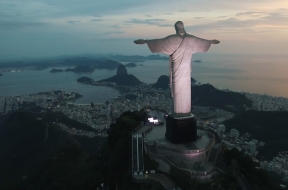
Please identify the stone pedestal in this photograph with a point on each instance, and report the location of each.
(181, 129)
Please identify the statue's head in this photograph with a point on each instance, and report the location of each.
(179, 27)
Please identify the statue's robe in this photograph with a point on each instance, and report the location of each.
(180, 50)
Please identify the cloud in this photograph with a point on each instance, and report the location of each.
(156, 22)
(199, 17)
(8, 24)
(165, 25)
(249, 13)
(109, 33)
(263, 22)
(247, 19)
(115, 26)
(96, 15)
(73, 21)
(96, 20)
(32, 10)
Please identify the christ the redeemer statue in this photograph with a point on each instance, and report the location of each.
(179, 47)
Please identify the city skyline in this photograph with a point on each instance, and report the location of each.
(43, 29)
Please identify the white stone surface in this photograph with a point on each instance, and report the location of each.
(180, 47)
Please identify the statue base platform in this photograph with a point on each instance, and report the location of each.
(181, 129)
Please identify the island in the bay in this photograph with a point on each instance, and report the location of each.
(56, 70)
(131, 65)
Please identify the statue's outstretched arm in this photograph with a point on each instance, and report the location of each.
(215, 41)
(140, 41)
(158, 45)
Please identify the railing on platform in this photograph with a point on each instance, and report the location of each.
(211, 141)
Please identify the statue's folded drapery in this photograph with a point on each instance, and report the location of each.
(180, 50)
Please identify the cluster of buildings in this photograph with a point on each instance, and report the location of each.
(267, 103)
(100, 116)
(233, 139)
(211, 115)
(42, 99)
(278, 165)
(74, 131)
(2, 104)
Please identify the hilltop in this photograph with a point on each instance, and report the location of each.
(56, 164)
(122, 78)
(28, 139)
(52, 164)
(208, 95)
(267, 126)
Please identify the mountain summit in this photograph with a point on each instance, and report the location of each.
(121, 71)
(122, 78)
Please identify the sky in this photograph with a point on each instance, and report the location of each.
(38, 28)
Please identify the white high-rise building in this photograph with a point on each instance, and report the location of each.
(221, 128)
(252, 147)
(234, 133)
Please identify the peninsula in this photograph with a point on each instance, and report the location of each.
(131, 65)
(122, 78)
(56, 70)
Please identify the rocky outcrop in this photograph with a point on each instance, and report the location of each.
(122, 78)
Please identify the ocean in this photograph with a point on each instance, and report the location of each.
(264, 75)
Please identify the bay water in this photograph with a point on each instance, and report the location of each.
(239, 73)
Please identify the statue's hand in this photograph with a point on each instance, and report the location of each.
(215, 42)
(140, 41)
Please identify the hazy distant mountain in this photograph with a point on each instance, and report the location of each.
(97, 61)
(56, 70)
(88, 65)
(82, 69)
(122, 78)
(85, 80)
(131, 65)
(136, 58)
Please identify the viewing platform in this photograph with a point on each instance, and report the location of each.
(196, 158)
